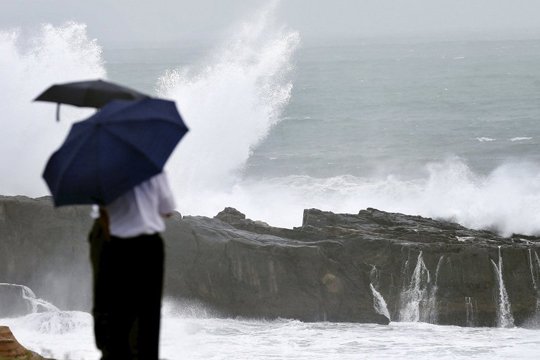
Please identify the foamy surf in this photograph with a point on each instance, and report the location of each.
(29, 130)
(204, 338)
(507, 200)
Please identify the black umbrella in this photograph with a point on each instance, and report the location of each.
(93, 93)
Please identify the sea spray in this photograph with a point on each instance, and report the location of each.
(36, 305)
(186, 308)
(57, 322)
(33, 304)
(229, 105)
(29, 131)
(449, 191)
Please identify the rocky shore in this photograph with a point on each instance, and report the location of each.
(368, 267)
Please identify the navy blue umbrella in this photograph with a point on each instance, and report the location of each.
(124, 144)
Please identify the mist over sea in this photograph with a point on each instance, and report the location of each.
(439, 129)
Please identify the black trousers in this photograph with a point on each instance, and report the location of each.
(128, 285)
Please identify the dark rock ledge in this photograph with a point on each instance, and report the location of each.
(364, 267)
(424, 269)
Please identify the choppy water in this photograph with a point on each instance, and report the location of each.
(203, 338)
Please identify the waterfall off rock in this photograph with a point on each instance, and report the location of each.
(472, 307)
(432, 305)
(378, 300)
(534, 266)
(415, 299)
(380, 303)
(505, 318)
(439, 263)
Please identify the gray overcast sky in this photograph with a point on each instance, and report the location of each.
(117, 21)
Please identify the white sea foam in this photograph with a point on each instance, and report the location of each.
(485, 139)
(288, 339)
(29, 131)
(58, 335)
(56, 322)
(520, 138)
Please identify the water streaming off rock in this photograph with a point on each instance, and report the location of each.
(380, 303)
(472, 309)
(418, 302)
(505, 317)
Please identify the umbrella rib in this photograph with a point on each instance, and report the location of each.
(76, 138)
(153, 119)
(130, 144)
(61, 177)
(121, 109)
(100, 186)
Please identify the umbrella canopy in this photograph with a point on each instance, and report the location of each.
(124, 144)
(93, 93)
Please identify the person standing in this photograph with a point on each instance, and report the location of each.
(127, 256)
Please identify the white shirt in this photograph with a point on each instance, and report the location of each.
(140, 210)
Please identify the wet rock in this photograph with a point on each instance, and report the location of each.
(424, 269)
(10, 349)
(46, 250)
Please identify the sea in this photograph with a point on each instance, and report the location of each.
(447, 129)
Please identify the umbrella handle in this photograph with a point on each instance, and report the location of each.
(58, 112)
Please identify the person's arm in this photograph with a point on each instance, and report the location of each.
(167, 204)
